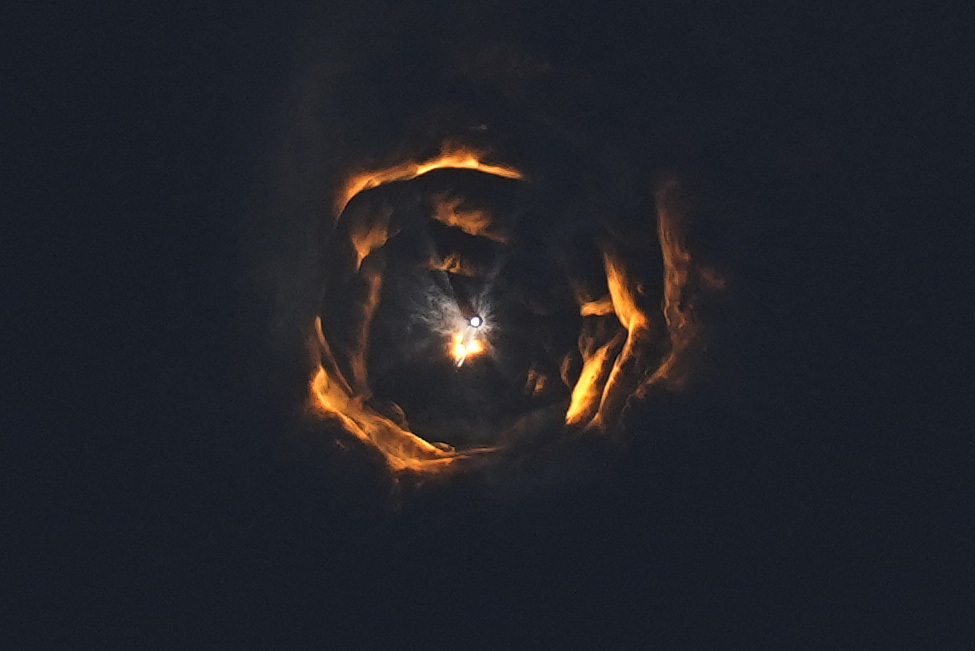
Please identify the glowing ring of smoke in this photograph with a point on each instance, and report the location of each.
(613, 372)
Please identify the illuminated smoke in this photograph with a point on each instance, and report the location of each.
(590, 304)
(632, 345)
(451, 157)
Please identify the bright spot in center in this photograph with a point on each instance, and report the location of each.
(464, 347)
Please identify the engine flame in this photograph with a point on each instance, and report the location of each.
(450, 157)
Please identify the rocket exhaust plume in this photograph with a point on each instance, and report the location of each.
(401, 334)
(485, 282)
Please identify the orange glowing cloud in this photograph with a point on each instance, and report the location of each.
(635, 342)
(450, 157)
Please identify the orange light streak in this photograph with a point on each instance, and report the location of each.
(450, 157)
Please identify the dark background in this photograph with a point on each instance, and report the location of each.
(822, 501)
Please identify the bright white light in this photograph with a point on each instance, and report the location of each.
(476, 321)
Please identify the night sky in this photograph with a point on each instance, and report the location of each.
(814, 492)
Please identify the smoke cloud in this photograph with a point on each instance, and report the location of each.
(474, 178)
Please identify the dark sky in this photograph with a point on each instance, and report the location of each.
(818, 496)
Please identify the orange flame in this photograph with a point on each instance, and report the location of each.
(450, 157)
